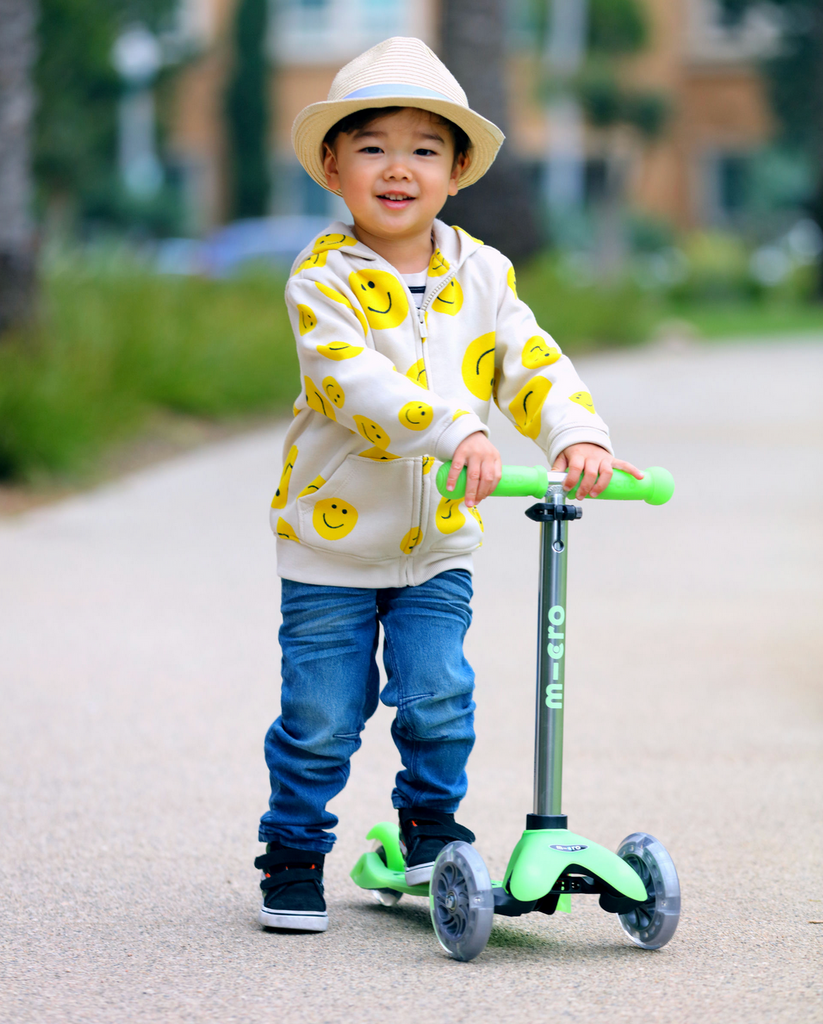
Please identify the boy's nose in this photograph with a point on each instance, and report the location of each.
(396, 170)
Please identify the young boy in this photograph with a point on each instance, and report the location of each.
(405, 330)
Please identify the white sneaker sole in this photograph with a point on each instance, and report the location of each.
(297, 920)
(420, 874)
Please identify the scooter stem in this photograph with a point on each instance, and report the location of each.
(551, 662)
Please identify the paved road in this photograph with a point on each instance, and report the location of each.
(139, 674)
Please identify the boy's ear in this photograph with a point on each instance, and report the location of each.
(330, 167)
(460, 165)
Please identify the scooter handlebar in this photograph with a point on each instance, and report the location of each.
(656, 487)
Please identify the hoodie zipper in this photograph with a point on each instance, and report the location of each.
(421, 325)
(427, 302)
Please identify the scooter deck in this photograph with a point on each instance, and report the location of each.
(536, 864)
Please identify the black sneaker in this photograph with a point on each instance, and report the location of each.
(423, 834)
(292, 885)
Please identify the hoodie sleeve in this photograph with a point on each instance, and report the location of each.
(536, 386)
(345, 379)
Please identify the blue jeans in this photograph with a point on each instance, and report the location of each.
(331, 686)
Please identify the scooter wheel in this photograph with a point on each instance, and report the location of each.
(653, 923)
(385, 897)
(461, 901)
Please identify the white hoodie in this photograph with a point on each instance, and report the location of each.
(389, 391)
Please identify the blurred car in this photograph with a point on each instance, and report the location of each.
(272, 242)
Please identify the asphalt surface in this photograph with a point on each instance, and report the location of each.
(139, 673)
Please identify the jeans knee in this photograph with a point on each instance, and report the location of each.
(435, 717)
(313, 745)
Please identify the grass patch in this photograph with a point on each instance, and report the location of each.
(585, 317)
(109, 349)
(748, 319)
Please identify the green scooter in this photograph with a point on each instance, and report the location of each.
(549, 864)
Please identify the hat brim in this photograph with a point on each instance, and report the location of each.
(313, 122)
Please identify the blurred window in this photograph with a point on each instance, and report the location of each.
(596, 178)
(733, 172)
(296, 193)
(333, 31)
(727, 186)
(715, 34)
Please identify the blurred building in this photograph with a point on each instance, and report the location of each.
(692, 175)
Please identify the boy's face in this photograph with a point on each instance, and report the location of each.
(396, 173)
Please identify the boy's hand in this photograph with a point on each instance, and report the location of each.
(595, 465)
(483, 467)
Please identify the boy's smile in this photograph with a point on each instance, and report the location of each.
(395, 174)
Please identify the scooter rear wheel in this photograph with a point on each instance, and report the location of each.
(653, 923)
(461, 901)
(385, 897)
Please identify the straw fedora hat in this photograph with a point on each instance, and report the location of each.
(399, 72)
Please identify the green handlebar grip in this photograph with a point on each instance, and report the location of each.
(656, 487)
(517, 481)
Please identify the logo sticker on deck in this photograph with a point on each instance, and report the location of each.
(569, 849)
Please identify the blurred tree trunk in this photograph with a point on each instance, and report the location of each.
(247, 111)
(503, 208)
(17, 256)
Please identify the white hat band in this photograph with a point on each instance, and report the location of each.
(396, 89)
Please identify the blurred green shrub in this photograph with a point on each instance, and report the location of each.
(579, 312)
(720, 267)
(717, 268)
(110, 347)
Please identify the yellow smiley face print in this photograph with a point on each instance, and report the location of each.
(306, 320)
(336, 296)
(474, 511)
(417, 373)
(281, 495)
(334, 392)
(285, 531)
(428, 462)
(478, 367)
(526, 405)
(318, 400)
(438, 264)
(463, 231)
(538, 352)
(321, 247)
(511, 281)
(382, 297)
(416, 415)
(372, 432)
(448, 517)
(378, 455)
(411, 540)
(450, 300)
(314, 259)
(332, 241)
(583, 398)
(339, 350)
(315, 485)
(334, 518)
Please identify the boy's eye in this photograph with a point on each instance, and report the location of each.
(425, 152)
(371, 149)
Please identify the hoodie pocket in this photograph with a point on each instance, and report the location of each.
(452, 528)
(366, 509)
